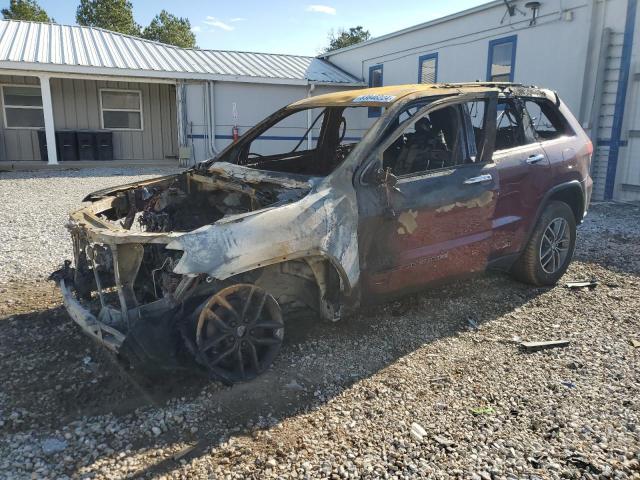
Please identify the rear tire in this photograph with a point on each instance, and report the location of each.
(550, 249)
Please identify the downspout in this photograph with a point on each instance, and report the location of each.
(588, 67)
(310, 90)
(211, 119)
(181, 119)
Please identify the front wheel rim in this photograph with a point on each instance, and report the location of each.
(239, 332)
(554, 246)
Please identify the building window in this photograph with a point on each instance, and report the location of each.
(22, 106)
(501, 65)
(121, 109)
(428, 68)
(375, 80)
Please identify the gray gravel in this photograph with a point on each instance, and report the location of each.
(411, 389)
(35, 207)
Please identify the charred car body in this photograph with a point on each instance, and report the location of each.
(450, 180)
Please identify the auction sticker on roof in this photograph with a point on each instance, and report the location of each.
(375, 98)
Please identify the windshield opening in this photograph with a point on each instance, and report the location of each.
(308, 142)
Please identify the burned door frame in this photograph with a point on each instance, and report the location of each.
(385, 269)
(525, 176)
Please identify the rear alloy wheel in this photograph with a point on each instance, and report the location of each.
(554, 246)
(550, 248)
(239, 332)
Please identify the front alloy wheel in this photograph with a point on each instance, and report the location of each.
(239, 332)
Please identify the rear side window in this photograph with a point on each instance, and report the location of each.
(509, 131)
(546, 121)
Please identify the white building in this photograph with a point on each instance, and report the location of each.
(72, 93)
(587, 50)
(161, 102)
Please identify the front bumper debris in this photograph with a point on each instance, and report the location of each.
(100, 331)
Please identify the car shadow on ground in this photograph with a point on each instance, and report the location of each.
(74, 378)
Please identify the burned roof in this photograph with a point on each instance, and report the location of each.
(385, 96)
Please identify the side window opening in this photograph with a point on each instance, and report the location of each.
(547, 123)
(433, 141)
(288, 143)
(509, 131)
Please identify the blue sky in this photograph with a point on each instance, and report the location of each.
(280, 26)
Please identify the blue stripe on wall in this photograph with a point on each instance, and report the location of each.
(266, 137)
(621, 96)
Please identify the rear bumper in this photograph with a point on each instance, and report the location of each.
(99, 331)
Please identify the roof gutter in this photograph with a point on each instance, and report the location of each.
(155, 76)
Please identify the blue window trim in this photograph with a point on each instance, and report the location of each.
(513, 39)
(421, 59)
(375, 111)
(621, 96)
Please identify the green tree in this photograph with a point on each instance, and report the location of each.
(167, 28)
(115, 15)
(26, 10)
(344, 38)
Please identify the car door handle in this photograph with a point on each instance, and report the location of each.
(535, 158)
(479, 179)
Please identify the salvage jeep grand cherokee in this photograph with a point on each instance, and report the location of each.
(389, 190)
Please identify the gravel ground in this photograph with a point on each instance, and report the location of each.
(404, 390)
(36, 206)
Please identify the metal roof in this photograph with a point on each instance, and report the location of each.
(90, 50)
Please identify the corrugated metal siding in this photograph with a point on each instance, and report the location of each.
(76, 46)
(76, 105)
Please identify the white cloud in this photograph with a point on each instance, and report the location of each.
(196, 29)
(216, 23)
(321, 9)
(237, 19)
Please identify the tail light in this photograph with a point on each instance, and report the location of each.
(589, 148)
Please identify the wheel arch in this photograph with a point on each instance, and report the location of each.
(571, 193)
(331, 280)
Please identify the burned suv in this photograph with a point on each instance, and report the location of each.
(388, 190)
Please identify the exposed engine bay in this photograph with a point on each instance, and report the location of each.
(176, 204)
(201, 266)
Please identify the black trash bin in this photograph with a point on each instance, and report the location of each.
(104, 145)
(67, 145)
(42, 143)
(86, 144)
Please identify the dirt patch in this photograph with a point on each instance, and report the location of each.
(341, 398)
